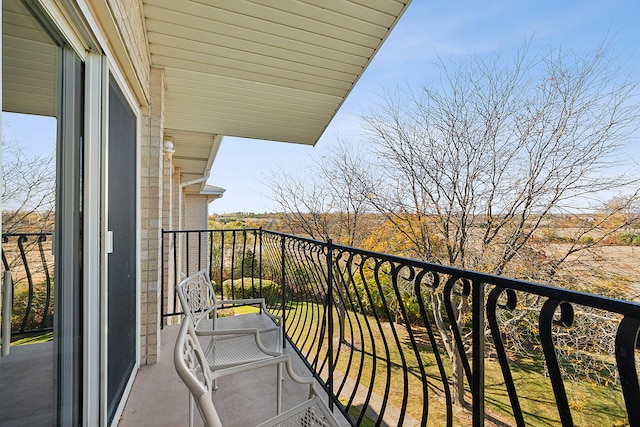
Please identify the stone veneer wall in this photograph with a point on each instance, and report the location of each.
(151, 192)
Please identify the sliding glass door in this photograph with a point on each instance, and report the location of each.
(42, 124)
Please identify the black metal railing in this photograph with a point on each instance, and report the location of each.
(232, 258)
(402, 341)
(29, 258)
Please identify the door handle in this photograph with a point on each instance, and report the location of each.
(109, 242)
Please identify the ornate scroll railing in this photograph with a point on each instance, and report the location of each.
(29, 258)
(400, 341)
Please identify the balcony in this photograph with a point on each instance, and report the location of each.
(159, 397)
(377, 331)
(414, 343)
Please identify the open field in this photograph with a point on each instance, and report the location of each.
(609, 270)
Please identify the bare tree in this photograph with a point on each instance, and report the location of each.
(28, 203)
(499, 148)
(476, 165)
(324, 200)
(28, 198)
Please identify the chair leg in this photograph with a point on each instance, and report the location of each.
(190, 410)
(215, 384)
(279, 390)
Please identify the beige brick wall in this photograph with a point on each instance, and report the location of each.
(127, 15)
(195, 218)
(195, 212)
(151, 192)
(167, 224)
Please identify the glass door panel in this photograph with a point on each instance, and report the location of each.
(121, 286)
(42, 149)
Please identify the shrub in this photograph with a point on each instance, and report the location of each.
(629, 238)
(585, 239)
(549, 235)
(242, 288)
(245, 264)
(38, 304)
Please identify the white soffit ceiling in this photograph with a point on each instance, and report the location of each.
(29, 63)
(266, 69)
(194, 154)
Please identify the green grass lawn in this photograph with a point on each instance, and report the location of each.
(33, 339)
(245, 309)
(591, 404)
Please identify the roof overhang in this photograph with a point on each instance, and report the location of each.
(270, 70)
(212, 192)
(194, 157)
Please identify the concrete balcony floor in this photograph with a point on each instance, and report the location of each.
(28, 369)
(158, 397)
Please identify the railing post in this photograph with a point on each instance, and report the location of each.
(330, 317)
(284, 292)
(187, 258)
(6, 312)
(162, 283)
(210, 263)
(233, 264)
(199, 251)
(43, 259)
(222, 234)
(176, 252)
(25, 263)
(260, 258)
(477, 388)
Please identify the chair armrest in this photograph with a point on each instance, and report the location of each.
(223, 332)
(243, 301)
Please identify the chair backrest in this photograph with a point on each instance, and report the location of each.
(189, 361)
(197, 296)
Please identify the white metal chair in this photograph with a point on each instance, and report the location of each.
(191, 365)
(228, 347)
(234, 345)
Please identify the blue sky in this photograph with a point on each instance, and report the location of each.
(427, 29)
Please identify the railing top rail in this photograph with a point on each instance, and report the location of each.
(46, 233)
(624, 307)
(211, 230)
